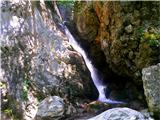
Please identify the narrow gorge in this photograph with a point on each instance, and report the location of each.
(80, 60)
(93, 71)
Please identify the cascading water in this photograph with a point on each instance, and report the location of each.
(95, 77)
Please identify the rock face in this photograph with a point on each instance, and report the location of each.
(36, 59)
(87, 24)
(126, 32)
(120, 114)
(50, 108)
(151, 83)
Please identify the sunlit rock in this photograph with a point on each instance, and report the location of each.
(50, 108)
(37, 59)
(151, 84)
(120, 114)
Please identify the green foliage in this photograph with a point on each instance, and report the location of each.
(140, 30)
(153, 39)
(26, 84)
(40, 97)
(10, 113)
(66, 3)
(26, 79)
(49, 4)
(154, 43)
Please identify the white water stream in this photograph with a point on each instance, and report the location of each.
(95, 77)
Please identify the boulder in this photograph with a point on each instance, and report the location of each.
(36, 53)
(151, 84)
(50, 108)
(120, 114)
(36, 58)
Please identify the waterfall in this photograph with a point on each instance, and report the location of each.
(94, 72)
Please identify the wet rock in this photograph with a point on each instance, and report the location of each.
(50, 108)
(151, 83)
(87, 30)
(120, 114)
